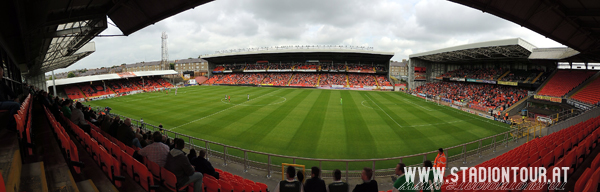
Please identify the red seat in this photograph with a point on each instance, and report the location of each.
(2, 187)
(580, 184)
(142, 176)
(596, 163)
(263, 187)
(154, 168)
(211, 185)
(225, 186)
(548, 160)
(170, 180)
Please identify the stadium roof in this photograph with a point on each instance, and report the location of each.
(575, 24)
(277, 55)
(40, 36)
(500, 49)
(112, 76)
(553, 53)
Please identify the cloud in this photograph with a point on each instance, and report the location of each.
(400, 26)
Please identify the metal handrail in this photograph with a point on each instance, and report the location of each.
(246, 162)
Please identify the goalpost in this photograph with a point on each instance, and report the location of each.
(436, 100)
(293, 165)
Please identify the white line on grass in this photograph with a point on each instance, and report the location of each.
(408, 101)
(384, 111)
(220, 111)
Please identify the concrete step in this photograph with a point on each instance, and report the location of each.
(87, 186)
(33, 178)
(10, 160)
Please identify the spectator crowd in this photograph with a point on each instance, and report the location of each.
(486, 95)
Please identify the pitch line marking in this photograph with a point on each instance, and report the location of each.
(384, 111)
(408, 101)
(363, 104)
(220, 111)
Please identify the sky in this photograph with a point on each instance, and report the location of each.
(401, 26)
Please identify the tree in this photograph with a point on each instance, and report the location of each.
(71, 74)
(172, 66)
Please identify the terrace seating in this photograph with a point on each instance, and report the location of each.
(277, 79)
(485, 95)
(251, 78)
(360, 80)
(328, 79)
(564, 81)
(589, 94)
(481, 73)
(565, 148)
(304, 79)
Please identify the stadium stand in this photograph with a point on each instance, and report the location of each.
(328, 79)
(360, 80)
(480, 73)
(96, 89)
(277, 79)
(521, 75)
(361, 68)
(251, 78)
(304, 79)
(486, 95)
(564, 81)
(566, 148)
(590, 93)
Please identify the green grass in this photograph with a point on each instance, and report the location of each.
(309, 122)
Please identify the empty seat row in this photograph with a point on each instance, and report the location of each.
(589, 94)
(23, 120)
(68, 148)
(564, 81)
(565, 148)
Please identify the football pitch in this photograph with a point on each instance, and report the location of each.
(313, 123)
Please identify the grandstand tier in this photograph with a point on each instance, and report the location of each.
(564, 81)
(589, 94)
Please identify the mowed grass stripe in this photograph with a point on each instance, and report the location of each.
(409, 134)
(450, 133)
(256, 136)
(312, 125)
(388, 135)
(333, 135)
(310, 122)
(359, 140)
(215, 123)
(472, 121)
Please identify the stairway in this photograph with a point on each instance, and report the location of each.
(537, 77)
(503, 75)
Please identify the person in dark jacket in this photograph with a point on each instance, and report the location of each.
(112, 130)
(204, 166)
(126, 135)
(289, 185)
(66, 108)
(368, 185)
(12, 104)
(178, 164)
(315, 183)
(338, 185)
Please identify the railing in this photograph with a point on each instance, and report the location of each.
(456, 153)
